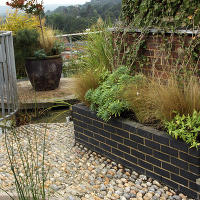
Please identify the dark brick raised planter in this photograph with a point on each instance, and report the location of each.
(140, 148)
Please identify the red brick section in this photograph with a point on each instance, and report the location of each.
(140, 148)
(155, 50)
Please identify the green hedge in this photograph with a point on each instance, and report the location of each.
(170, 13)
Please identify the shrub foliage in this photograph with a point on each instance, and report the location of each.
(186, 127)
(16, 21)
(106, 98)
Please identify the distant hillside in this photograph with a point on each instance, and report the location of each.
(70, 19)
(4, 10)
(50, 7)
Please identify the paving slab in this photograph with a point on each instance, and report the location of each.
(29, 98)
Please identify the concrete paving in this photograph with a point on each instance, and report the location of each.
(29, 98)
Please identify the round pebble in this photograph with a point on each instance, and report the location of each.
(77, 173)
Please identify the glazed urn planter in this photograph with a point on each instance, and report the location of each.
(44, 74)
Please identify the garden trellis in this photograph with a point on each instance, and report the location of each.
(8, 82)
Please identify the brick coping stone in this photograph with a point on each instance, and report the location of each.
(141, 148)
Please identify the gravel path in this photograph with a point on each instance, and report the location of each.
(76, 173)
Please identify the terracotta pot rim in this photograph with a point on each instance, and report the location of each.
(46, 58)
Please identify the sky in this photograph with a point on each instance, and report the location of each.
(2, 2)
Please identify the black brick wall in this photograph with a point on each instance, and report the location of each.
(141, 148)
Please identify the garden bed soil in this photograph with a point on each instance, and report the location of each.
(141, 148)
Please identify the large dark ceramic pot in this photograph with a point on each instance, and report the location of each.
(44, 74)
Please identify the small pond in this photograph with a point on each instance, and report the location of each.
(55, 115)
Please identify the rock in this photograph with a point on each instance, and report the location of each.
(123, 180)
(103, 193)
(115, 196)
(139, 194)
(169, 193)
(156, 183)
(77, 173)
(149, 195)
(138, 186)
(121, 185)
(132, 179)
(127, 189)
(149, 184)
(155, 198)
(120, 166)
(157, 195)
(165, 188)
(128, 195)
(71, 198)
(97, 198)
(143, 177)
(54, 187)
(176, 197)
(102, 187)
(119, 192)
(144, 185)
(158, 192)
(182, 196)
(133, 192)
(135, 173)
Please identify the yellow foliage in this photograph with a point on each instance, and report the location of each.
(16, 21)
(49, 39)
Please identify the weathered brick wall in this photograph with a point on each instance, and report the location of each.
(161, 52)
(140, 148)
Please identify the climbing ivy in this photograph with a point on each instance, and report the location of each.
(154, 13)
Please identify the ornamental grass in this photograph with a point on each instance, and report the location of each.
(85, 81)
(157, 100)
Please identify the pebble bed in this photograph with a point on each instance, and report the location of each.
(78, 173)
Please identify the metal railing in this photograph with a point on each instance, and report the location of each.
(8, 81)
(74, 47)
(69, 40)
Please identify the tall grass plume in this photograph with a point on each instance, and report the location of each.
(85, 81)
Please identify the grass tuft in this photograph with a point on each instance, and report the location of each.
(85, 81)
(49, 40)
(158, 100)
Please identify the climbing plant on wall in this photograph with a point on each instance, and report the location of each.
(165, 13)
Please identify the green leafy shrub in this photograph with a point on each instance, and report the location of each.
(58, 47)
(40, 54)
(25, 43)
(186, 128)
(106, 98)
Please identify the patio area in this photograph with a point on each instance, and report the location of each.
(28, 97)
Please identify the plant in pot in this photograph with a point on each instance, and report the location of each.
(40, 48)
